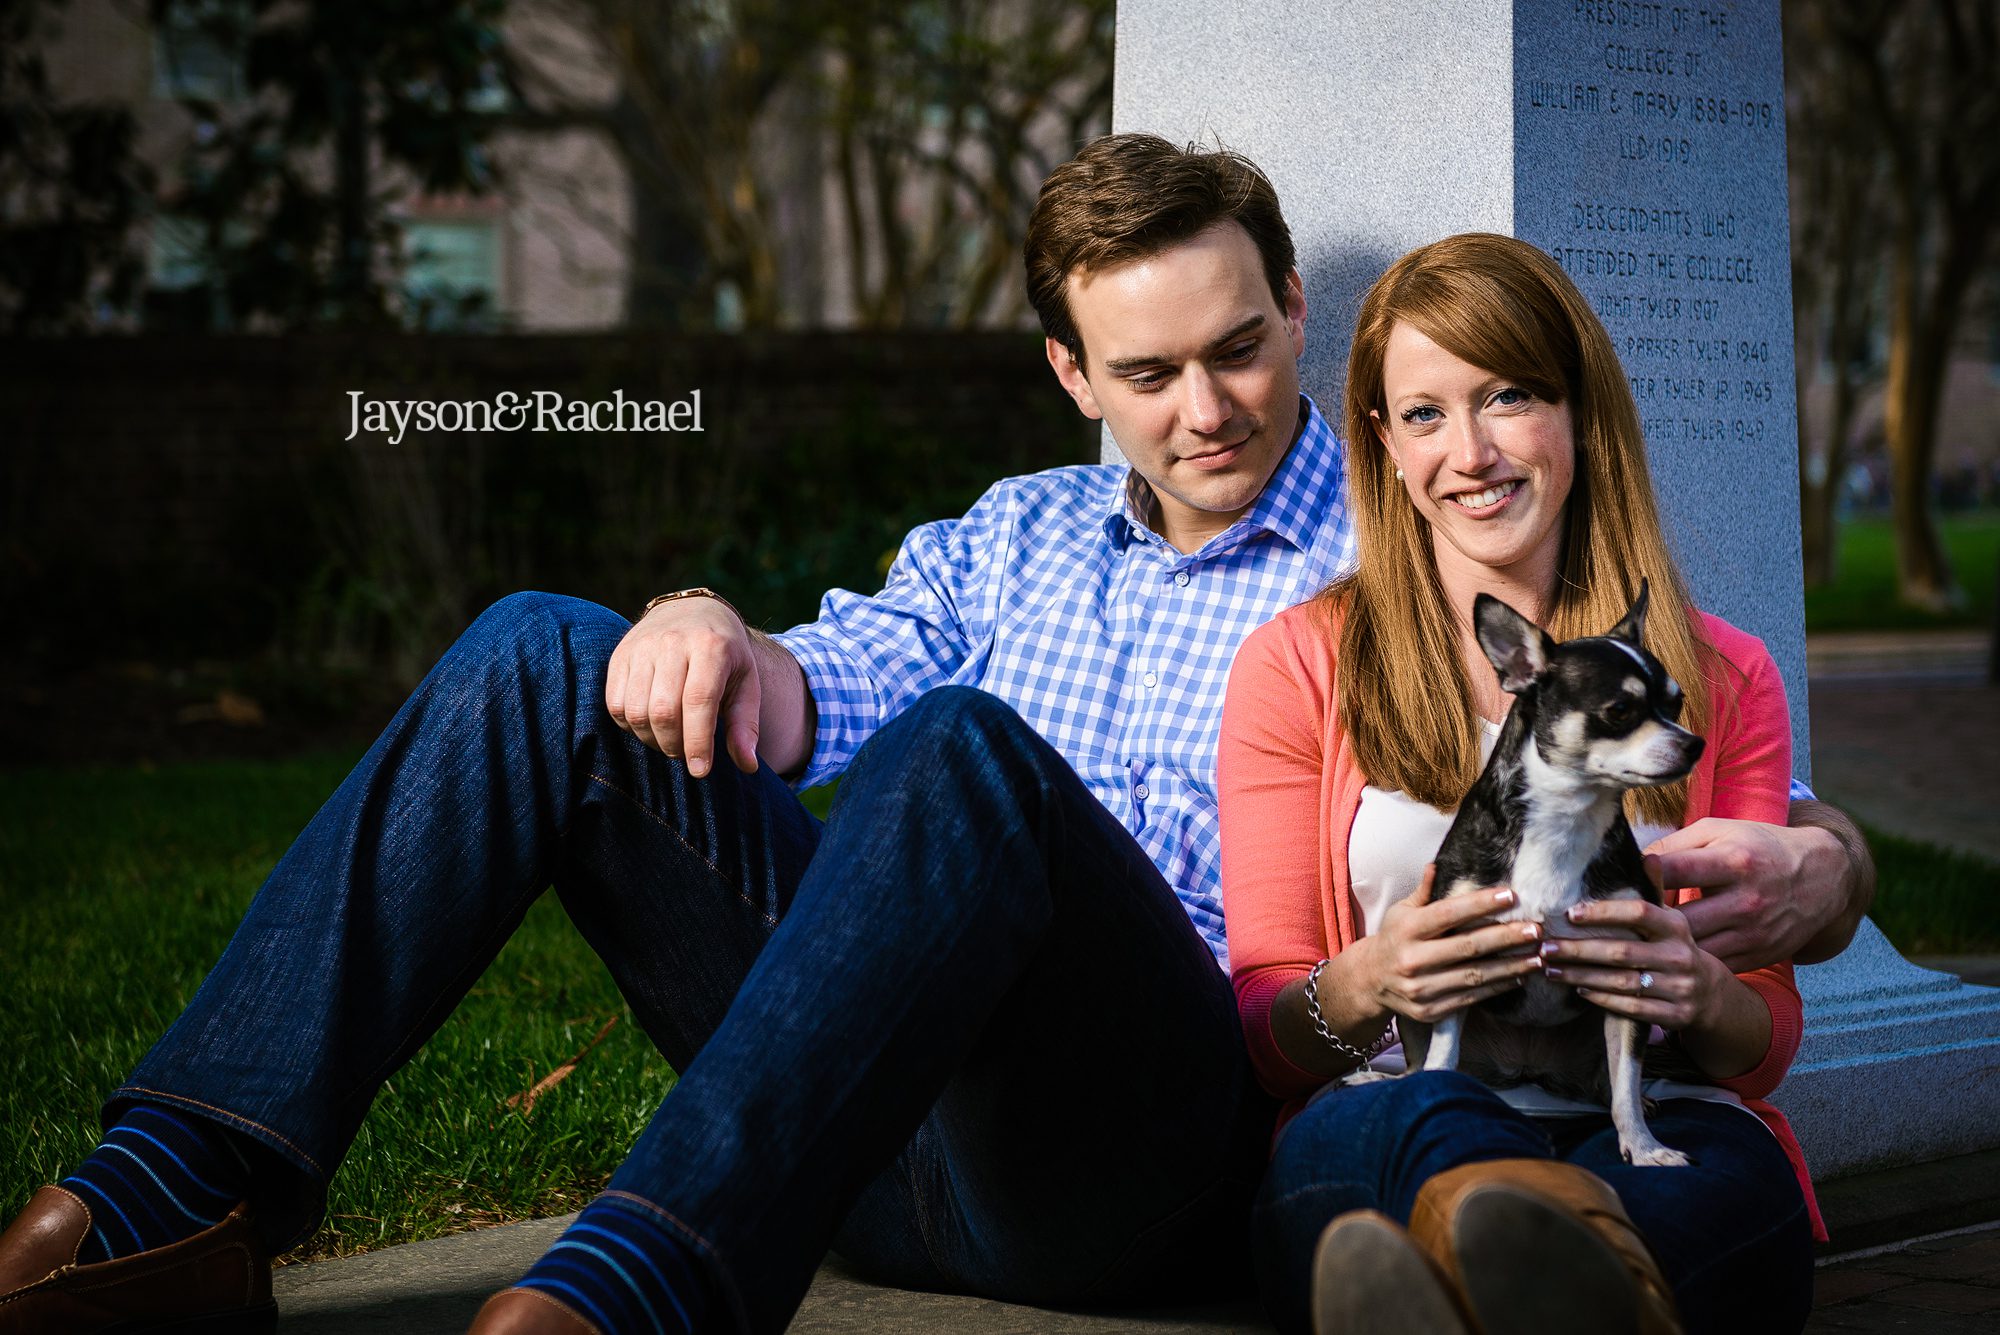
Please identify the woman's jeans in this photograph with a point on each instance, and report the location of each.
(965, 1025)
(1730, 1232)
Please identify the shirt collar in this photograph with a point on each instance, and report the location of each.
(1293, 504)
(1127, 507)
(1303, 493)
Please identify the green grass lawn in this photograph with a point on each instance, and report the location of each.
(1863, 594)
(121, 885)
(120, 888)
(1934, 901)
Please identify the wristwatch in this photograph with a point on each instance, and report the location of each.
(702, 592)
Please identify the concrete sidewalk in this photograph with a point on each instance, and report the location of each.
(1939, 1285)
(434, 1288)
(1906, 735)
(1915, 1250)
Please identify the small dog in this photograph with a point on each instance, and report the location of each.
(1592, 718)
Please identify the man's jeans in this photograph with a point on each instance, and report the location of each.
(1730, 1232)
(966, 1019)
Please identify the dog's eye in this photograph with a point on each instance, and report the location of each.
(1620, 713)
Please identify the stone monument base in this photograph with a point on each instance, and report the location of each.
(1900, 1064)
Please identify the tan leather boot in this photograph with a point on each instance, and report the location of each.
(217, 1282)
(1542, 1247)
(528, 1312)
(1368, 1277)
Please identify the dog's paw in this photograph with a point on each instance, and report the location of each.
(1655, 1155)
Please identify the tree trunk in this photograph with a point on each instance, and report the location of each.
(1919, 355)
(1993, 649)
(666, 254)
(1993, 652)
(1826, 499)
(1909, 420)
(1816, 525)
(1815, 539)
(1846, 345)
(351, 277)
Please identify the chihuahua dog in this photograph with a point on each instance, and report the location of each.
(1592, 718)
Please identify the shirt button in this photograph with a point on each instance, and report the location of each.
(1181, 578)
(1151, 679)
(1142, 792)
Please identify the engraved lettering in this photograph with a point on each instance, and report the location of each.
(1637, 60)
(1707, 268)
(1554, 96)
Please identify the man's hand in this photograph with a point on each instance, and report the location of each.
(685, 665)
(1771, 892)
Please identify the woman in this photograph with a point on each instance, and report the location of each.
(1493, 447)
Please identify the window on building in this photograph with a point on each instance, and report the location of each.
(198, 50)
(451, 273)
(176, 260)
(180, 278)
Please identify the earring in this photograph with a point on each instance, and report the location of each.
(1399, 475)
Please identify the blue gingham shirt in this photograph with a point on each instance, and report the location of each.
(1054, 594)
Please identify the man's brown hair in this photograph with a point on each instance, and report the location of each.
(1130, 196)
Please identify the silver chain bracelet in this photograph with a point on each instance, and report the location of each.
(1335, 1041)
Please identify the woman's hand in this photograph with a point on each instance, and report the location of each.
(1418, 968)
(1662, 978)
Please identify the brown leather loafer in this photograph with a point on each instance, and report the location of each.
(1369, 1277)
(217, 1282)
(1542, 1247)
(528, 1312)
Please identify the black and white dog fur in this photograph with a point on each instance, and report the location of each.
(1592, 718)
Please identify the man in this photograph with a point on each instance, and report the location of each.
(973, 1032)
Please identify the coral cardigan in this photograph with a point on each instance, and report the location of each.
(1286, 772)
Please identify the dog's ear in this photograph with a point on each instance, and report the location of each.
(1518, 648)
(1632, 629)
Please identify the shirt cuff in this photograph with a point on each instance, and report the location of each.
(1787, 1028)
(844, 702)
(1278, 1074)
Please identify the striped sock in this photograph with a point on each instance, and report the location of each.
(159, 1176)
(623, 1271)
